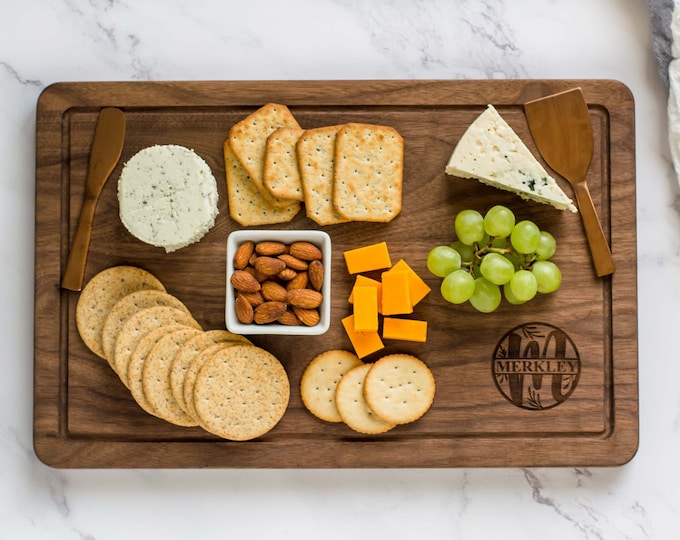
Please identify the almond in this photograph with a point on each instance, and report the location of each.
(298, 282)
(315, 272)
(308, 317)
(269, 266)
(293, 262)
(268, 312)
(304, 298)
(305, 251)
(270, 248)
(244, 310)
(273, 291)
(254, 298)
(289, 319)
(244, 281)
(286, 274)
(242, 255)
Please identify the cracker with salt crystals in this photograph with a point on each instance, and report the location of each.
(281, 172)
(352, 406)
(248, 139)
(368, 172)
(315, 150)
(320, 380)
(248, 205)
(399, 388)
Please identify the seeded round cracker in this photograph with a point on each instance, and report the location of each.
(156, 377)
(101, 293)
(352, 407)
(192, 373)
(320, 380)
(128, 306)
(189, 351)
(241, 393)
(399, 388)
(138, 358)
(138, 325)
(368, 172)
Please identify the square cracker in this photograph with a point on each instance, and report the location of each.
(315, 151)
(247, 205)
(248, 139)
(368, 173)
(281, 172)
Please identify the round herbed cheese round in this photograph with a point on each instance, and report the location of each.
(167, 196)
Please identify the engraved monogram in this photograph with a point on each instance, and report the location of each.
(536, 366)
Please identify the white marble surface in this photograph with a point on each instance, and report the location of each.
(59, 40)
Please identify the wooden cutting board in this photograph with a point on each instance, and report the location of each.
(549, 383)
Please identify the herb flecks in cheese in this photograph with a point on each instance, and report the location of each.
(491, 152)
(167, 196)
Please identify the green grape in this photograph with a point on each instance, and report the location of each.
(525, 236)
(467, 253)
(496, 268)
(548, 276)
(486, 297)
(499, 221)
(469, 226)
(499, 242)
(442, 260)
(510, 297)
(546, 246)
(523, 285)
(457, 287)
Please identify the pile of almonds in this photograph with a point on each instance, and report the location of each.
(278, 283)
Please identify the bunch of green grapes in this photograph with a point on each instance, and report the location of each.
(495, 256)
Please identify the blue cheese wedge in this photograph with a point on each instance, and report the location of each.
(167, 196)
(491, 152)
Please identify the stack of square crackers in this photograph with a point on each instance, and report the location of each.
(339, 173)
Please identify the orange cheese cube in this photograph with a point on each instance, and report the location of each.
(367, 258)
(363, 281)
(365, 309)
(418, 289)
(364, 343)
(404, 329)
(396, 298)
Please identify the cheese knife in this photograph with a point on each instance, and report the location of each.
(561, 128)
(107, 146)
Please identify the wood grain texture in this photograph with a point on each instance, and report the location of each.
(84, 416)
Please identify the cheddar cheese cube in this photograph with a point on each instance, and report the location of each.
(367, 258)
(418, 289)
(396, 296)
(364, 343)
(363, 281)
(365, 309)
(404, 329)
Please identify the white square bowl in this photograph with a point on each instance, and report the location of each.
(321, 240)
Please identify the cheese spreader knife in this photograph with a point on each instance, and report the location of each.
(561, 128)
(107, 146)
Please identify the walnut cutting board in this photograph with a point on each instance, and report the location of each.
(549, 383)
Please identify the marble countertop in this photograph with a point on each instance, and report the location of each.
(42, 42)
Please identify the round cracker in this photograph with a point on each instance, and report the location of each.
(138, 358)
(241, 393)
(156, 377)
(138, 325)
(320, 380)
(126, 307)
(399, 388)
(101, 293)
(186, 355)
(352, 407)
